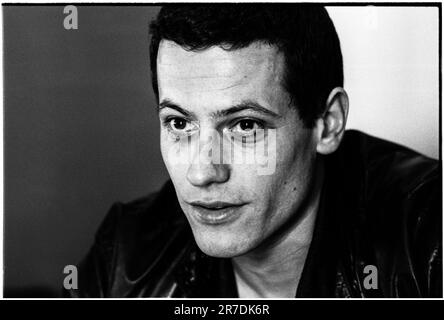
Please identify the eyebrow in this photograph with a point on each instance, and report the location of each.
(166, 103)
(243, 106)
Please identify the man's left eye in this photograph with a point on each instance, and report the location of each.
(247, 127)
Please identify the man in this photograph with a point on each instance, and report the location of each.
(326, 213)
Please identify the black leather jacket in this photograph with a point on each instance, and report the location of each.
(380, 206)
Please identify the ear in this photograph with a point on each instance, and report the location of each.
(331, 125)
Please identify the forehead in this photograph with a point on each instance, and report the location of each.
(215, 73)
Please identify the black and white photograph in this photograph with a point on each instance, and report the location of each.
(222, 150)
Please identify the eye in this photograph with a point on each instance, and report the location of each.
(179, 125)
(247, 127)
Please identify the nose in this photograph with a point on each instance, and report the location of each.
(202, 171)
(201, 175)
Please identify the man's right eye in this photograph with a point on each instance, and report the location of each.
(179, 126)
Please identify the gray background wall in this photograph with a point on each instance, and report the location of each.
(81, 131)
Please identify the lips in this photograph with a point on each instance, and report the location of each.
(216, 212)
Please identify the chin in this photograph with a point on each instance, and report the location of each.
(221, 247)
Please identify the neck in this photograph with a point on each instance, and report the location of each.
(274, 271)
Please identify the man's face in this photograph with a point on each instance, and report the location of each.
(232, 208)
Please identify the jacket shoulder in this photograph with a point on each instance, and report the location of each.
(387, 165)
(128, 243)
(399, 213)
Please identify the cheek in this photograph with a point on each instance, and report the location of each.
(295, 148)
(295, 156)
(258, 188)
(164, 149)
(171, 157)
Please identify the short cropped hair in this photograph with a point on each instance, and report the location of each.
(305, 35)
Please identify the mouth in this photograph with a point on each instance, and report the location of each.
(217, 212)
